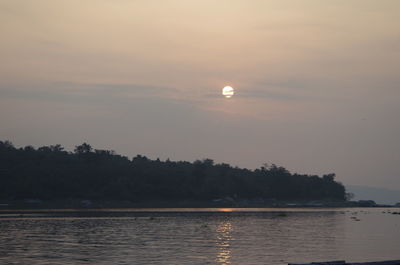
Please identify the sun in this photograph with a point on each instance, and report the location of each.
(228, 91)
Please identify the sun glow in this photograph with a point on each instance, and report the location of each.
(228, 92)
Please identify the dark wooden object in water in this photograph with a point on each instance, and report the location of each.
(342, 262)
(337, 262)
(388, 262)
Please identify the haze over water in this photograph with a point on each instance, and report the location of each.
(199, 236)
(316, 82)
(315, 89)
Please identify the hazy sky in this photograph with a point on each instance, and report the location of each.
(316, 82)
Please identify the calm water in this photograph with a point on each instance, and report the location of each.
(202, 236)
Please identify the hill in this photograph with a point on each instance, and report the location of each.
(379, 195)
(51, 173)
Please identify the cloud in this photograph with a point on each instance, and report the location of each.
(69, 91)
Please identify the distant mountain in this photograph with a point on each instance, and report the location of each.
(379, 195)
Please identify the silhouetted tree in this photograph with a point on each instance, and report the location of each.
(329, 177)
(83, 148)
(49, 172)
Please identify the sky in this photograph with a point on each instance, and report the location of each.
(316, 82)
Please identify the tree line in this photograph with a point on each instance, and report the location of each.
(50, 172)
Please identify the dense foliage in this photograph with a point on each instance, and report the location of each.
(49, 172)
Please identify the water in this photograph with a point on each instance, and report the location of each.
(198, 236)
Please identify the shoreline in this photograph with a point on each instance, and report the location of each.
(82, 204)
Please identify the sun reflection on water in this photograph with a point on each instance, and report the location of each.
(224, 238)
(225, 210)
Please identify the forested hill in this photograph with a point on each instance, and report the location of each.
(49, 172)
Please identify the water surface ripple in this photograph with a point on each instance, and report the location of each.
(198, 236)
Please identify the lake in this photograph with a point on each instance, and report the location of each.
(198, 236)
